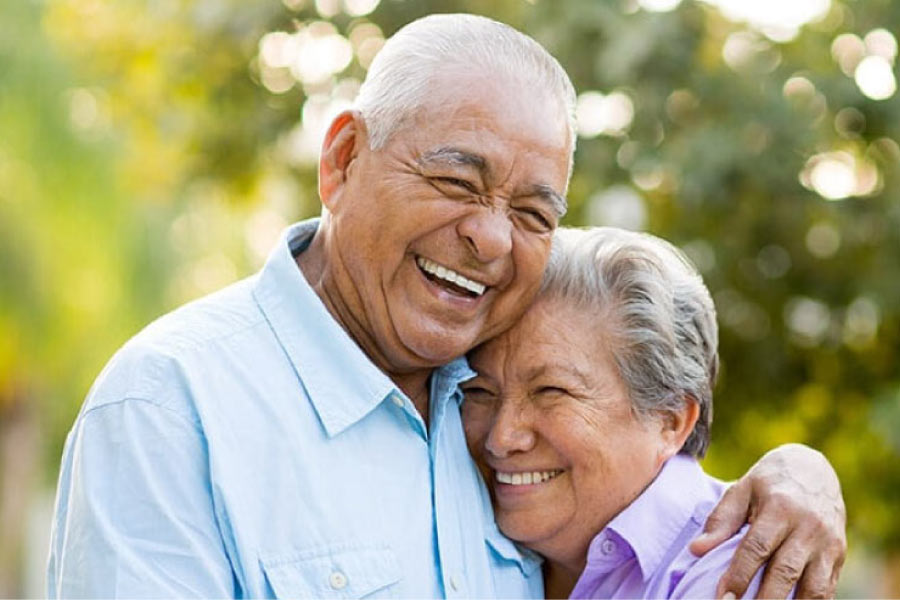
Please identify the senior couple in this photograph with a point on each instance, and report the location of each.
(301, 432)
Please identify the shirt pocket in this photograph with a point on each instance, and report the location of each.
(341, 571)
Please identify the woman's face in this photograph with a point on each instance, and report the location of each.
(550, 424)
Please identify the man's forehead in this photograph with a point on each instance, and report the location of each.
(458, 157)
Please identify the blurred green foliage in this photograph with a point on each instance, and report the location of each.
(145, 160)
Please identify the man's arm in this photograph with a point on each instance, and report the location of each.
(792, 499)
(134, 515)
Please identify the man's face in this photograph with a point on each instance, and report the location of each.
(444, 232)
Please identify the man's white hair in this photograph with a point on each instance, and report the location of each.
(397, 83)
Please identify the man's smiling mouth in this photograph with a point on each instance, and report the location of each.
(450, 279)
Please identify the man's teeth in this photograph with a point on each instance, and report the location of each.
(450, 275)
(526, 478)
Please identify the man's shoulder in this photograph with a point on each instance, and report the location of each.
(219, 315)
(158, 362)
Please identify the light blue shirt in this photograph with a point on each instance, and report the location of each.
(244, 446)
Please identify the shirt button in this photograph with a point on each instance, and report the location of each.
(607, 546)
(396, 399)
(454, 583)
(337, 580)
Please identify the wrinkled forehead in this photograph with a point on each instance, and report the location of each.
(519, 95)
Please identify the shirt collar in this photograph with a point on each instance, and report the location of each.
(343, 385)
(652, 523)
(445, 380)
(527, 560)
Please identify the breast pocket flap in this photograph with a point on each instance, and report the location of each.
(333, 572)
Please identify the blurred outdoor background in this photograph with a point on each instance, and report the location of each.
(152, 150)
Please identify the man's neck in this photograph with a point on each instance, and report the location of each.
(316, 269)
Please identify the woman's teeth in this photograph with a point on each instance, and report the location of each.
(526, 478)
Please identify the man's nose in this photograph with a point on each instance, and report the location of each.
(511, 431)
(487, 231)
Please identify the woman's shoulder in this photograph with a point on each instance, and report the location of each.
(697, 577)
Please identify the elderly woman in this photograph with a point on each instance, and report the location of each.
(588, 417)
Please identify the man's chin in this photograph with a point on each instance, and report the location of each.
(440, 348)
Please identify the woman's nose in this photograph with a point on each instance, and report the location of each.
(511, 431)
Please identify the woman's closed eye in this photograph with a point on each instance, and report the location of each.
(552, 390)
(477, 393)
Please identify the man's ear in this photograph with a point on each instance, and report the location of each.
(345, 137)
(675, 427)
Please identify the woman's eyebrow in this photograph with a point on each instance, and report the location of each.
(553, 367)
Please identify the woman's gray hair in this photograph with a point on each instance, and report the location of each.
(397, 83)
(657, 314)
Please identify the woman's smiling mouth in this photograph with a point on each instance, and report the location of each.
(526, 477)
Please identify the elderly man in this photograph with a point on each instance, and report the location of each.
(298, 433)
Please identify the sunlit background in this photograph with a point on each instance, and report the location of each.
(151, 151)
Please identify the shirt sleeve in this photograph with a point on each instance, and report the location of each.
(134, 515)
(702, 578)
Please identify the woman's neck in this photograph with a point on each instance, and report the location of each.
(558, 580)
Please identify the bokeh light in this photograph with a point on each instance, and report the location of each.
(838, 175)
(744, 50)
(808, 320)
(799, 88)
(881, 42)
(320, 53)
(850, 122)
(779, 20)
(773, 261)
(875, 78)
(359, 8)
(311, 56)
(848, 50)
(659, 5)
(823, 240)
(618, 206)
(328, 8)
(597, 113)
(861, 322)
(367, 40)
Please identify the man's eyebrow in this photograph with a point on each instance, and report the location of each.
(557, 201)
(454, 156)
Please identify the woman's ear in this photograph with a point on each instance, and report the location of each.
(345, 137)
(675, 427)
